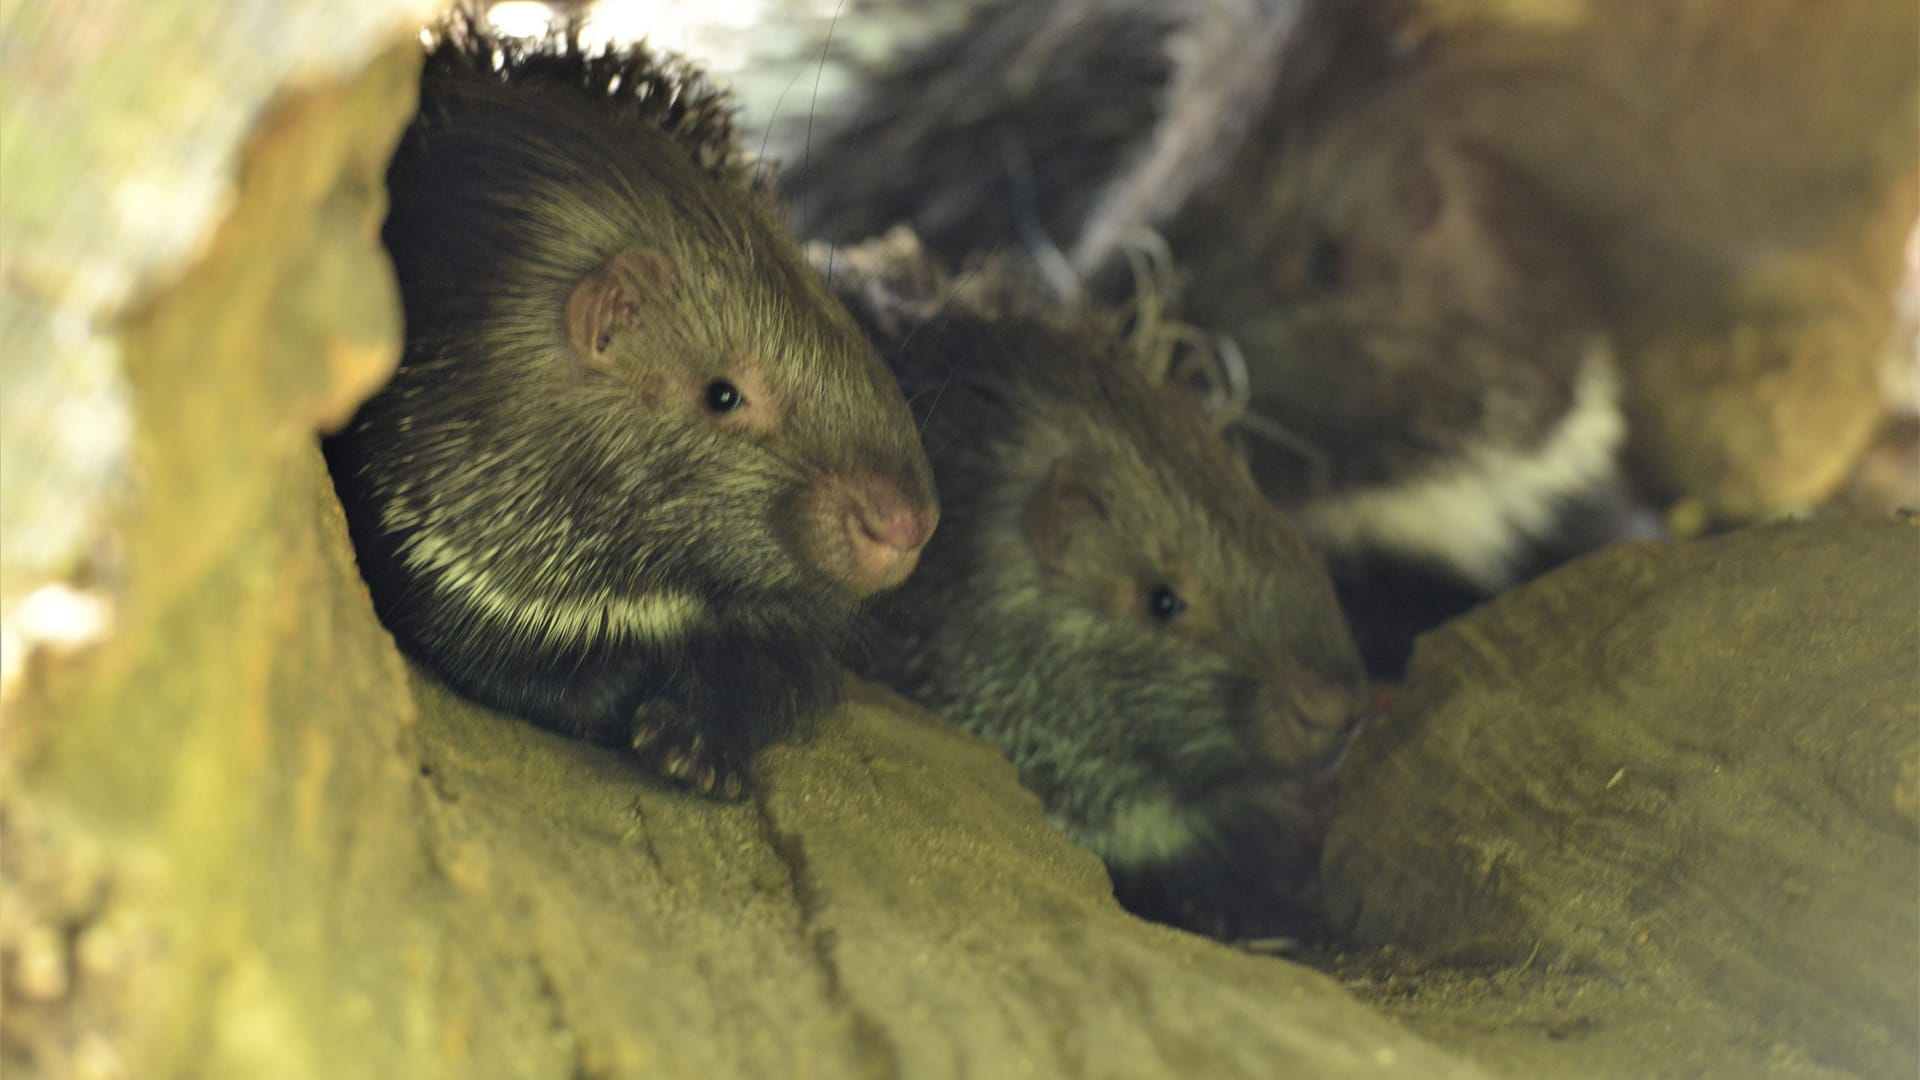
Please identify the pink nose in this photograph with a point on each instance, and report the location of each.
(1322, 708)
(1303, 717)
(895, 527)
(885, 534)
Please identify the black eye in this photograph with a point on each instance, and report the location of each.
(1326, 263)
(1163, 603)
(723, 396)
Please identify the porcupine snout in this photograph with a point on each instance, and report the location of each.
(1301, 719)
(872, 529)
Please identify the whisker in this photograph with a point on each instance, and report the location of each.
(938, 312)
(806, 151)
(760, 160)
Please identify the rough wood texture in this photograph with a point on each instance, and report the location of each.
(1690, 774)
(122, 119)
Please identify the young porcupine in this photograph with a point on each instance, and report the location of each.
(1109, 600)
(638, 467)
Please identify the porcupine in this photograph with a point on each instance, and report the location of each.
(637, 468)
(1109, 600)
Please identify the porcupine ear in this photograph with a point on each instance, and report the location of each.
(1065, 501)
(612, 298)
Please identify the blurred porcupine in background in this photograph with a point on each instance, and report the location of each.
(637, 468)
(1109, 600)
(1432, 391)
(1475, 255)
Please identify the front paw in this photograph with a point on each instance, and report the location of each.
(670, 742)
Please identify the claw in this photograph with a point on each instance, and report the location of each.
(670, 744)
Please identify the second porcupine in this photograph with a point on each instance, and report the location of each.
(1108, 599)
(637, 468)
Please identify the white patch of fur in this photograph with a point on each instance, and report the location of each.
(657, 616)
(1477, 515)
(1144, 832)
(1225, 63)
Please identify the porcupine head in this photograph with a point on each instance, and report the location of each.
(1418, 316)
(1110, 599)
(637, 468)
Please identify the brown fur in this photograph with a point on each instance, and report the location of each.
(1741, 177)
